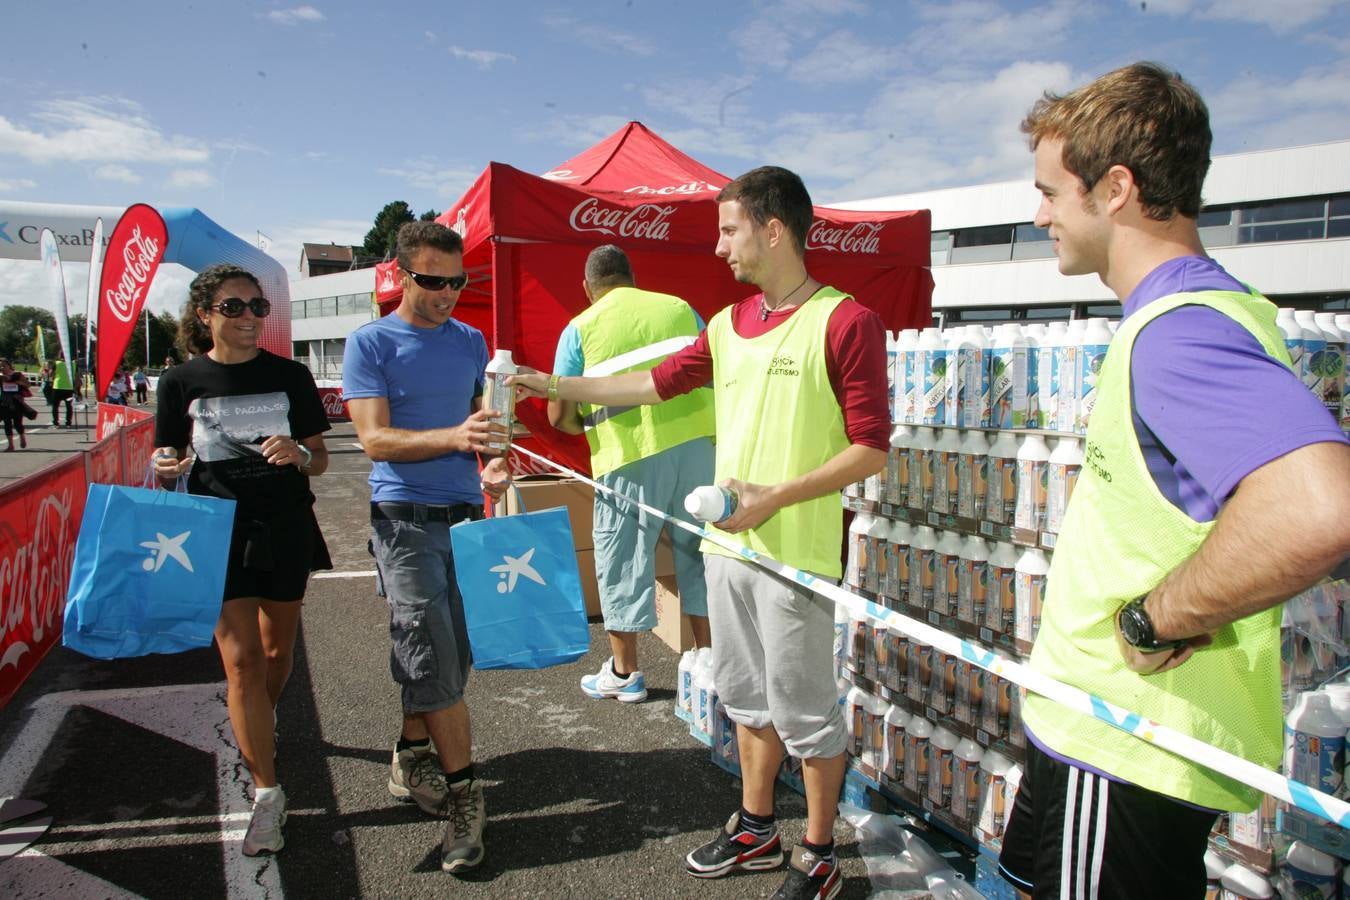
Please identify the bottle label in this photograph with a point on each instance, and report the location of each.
(1030, 593)
(1032, 486)
(935, 387)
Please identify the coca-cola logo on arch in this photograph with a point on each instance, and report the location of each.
(647, 220)
(860, 237)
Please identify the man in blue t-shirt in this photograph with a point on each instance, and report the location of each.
(413, 382)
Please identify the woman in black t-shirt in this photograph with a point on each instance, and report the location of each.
(255, 423)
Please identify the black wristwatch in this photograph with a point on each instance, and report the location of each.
(1137, 628)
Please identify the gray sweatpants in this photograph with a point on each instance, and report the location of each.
(773, 656)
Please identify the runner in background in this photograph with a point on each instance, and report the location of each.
(1215, 487)
(799, 382)
(255, 424)
(654, 454)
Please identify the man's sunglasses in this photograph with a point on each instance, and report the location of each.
(439, 282)
(233, 307)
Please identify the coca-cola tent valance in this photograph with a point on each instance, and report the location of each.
(526, 239)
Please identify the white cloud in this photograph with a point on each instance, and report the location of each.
(1267, 111)
(430, 36)
(601, 37)
(190, 178)
(96, 129)
(17, 184)
(484, 59)
(432, 176)
(295, 15)
(1280, 17)
(287, 237)
(979, 32)
(843, 56)
(113, 172)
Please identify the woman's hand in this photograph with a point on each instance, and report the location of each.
(284, 450)
(168, 467)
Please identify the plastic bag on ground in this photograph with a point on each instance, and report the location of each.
(900, 864)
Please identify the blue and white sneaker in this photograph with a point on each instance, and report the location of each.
(605, 684)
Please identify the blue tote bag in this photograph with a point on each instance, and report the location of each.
(522, 594)
(149, 572)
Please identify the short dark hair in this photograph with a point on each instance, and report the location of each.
(414, 236)
(772, 192)
(1144, 117)
(194, 337)
(607, 266)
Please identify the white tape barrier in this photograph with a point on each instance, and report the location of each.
(1300, 795)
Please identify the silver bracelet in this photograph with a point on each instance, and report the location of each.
(309, 457)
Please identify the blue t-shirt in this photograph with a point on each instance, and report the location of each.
(430, 377)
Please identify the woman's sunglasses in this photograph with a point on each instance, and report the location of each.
(439, 282)
(233, 307)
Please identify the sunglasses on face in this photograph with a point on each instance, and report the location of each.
(439, 282)
(233, 307)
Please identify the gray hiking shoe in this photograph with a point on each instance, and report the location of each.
(463, 845)
(264, 827)
(415, 776)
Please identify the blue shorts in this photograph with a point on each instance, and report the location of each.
(625, 537)
(429, 657)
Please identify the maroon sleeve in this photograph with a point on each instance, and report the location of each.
(855, 357)
(684, 370)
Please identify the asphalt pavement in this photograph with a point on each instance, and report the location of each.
(590, 799)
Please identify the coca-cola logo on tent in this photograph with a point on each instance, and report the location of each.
(648, 220)
(689, 187)
(861, 237)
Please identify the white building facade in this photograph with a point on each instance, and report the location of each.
(1278, 220)
(324, 310)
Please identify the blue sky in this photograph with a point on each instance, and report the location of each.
(301, 121)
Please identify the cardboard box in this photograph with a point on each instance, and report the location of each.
(672, 626)
(540, 492)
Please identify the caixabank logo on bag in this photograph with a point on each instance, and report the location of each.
(165, 548)
(513, 568)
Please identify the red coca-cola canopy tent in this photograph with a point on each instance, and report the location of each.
(526, 238)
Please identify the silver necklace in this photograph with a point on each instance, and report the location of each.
(764, 308)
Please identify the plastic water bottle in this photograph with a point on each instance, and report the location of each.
(705, 693)
(1215, 865)
(1047, 369)
(1314, 352)
(1032, 569)
(1315, 743)
(1000, 501)
(1000, 614)
(940, 748)
(1333, 365)
(878, 530)
(1033, 457)
(972, 474)
(1008, 360)
(711, 503)
(893, 749)
(1241, 883)
(921, 475)
(947, 586)
(1091, 356)
(917, 735)
(972, 581)
(945, 482)
(922, 567)
(906, 365)
(1070, 389)
(970, 390)
(1066, 462)
(966, 780)
(855, 706)
(1035, 335)
(857, 550)
(499, 396)
(897, 561)
(897, 466)
(932, 405)
(1293, 339)
(684, 694)
(874, 737)
(993, 808)
(1309, 874)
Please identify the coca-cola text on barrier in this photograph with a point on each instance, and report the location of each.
(134, 251)
(103, 461)
(39, 523)
(333, 404)
(138, 443)
(112, 416)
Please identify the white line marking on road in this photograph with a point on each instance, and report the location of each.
(369, 574)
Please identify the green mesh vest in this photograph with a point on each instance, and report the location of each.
(630, 330)
(1120, 537)
(777, 419)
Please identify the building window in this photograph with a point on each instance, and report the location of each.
(1031, 242)
(990, 243)
(1283, 220)
(1338, 216)
(297, 309)
(939, 246)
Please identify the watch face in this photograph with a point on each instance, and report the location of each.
(1131, 628)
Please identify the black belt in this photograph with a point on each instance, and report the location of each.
(401, 511)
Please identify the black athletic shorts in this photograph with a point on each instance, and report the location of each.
(1075, 835)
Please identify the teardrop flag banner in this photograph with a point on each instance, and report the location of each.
(91, 296)
(135, 249)
(51, 261)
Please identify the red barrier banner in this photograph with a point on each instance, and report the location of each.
(134, 250)
(333, 404)
(138, 442)
(39, 522)
(104, 460)
(112, 416)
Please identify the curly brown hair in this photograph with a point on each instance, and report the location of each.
(1144, 117)
(194, 337)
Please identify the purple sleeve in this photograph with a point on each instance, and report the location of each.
(1218, 405)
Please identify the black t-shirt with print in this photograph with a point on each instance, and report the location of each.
(225, 412)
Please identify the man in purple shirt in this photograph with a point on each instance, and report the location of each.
(1230, 438)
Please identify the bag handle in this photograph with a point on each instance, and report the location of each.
(150, 482)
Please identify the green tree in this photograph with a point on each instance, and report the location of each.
(163, 330)
(428, 216)
(18, 331)
(382, 239)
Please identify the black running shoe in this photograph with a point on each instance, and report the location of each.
(735, 849)
(809, 877)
